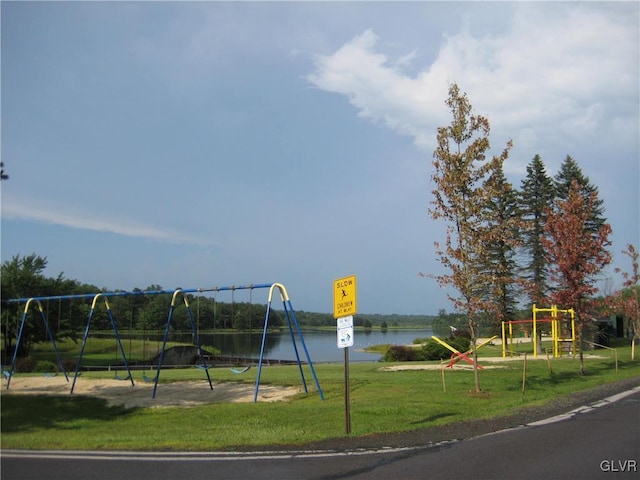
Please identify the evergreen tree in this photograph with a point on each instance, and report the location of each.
(536, 195)
(569, 172)
(502, 239)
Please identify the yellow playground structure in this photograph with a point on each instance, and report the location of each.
(563, 330)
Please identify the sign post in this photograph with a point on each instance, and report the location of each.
(344, 307)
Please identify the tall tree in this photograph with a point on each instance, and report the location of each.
(576, 254)
(536, 195)
(627, 300)
(502, 240)
(460, 169)
(22, 277)
(571, 172)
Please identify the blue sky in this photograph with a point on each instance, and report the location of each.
(209, 144)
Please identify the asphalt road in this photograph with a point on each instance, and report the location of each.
(598, 441)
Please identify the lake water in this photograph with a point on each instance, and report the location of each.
(321, 346)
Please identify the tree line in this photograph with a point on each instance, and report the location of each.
(544, 243)
(23, 277)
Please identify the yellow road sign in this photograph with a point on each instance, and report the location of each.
(344, 297)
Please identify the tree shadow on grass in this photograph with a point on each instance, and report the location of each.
(433, 418)
(25, 413)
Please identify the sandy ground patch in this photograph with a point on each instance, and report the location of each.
(460, 365)
(121, 392)
(493, 362)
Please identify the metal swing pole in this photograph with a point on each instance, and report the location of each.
(288, 308)
(197, 340)
(166, 335)
(84, 342)
(164, 344)
(86, 335)
(264, 337)
(306, 352)
(295, 346)
(20, 332)
(115, 330)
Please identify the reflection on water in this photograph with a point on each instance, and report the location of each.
(321, 345)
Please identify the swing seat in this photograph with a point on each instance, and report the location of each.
(118, 377)
(204, 367)
(50, 375)
(148, 379)
(6, 374)
(238, 371)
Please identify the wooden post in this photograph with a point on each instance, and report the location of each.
(524, 374)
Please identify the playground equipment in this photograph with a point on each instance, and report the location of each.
(86, 334)
(457, 355)
(292, 322)
(562, 329)
(25, 313)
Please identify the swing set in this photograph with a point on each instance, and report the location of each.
(292, 322)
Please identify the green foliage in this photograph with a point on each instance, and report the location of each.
(24, 277)
(44, 366)
(502, 241)
(536, 194)
(571, 172)
(314, 319)
(434, 351)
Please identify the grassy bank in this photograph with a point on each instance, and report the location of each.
(381, 401)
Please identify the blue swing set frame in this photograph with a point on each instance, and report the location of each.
(292, 323)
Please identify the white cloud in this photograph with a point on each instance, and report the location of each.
(379, 90)
(67, 216)
(555, 72)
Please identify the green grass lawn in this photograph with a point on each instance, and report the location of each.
(381, 401)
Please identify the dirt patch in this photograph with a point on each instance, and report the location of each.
(121, 392)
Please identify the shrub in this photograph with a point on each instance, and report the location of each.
(431, 350)
(24, 365)
(401, 353)
(44, 366)
(434, 351)
(460, 343)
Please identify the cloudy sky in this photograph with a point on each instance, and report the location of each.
(211, 144)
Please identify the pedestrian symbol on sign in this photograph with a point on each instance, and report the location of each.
(344, 297)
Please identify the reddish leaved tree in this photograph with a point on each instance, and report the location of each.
(576, 253)
(626, 301)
